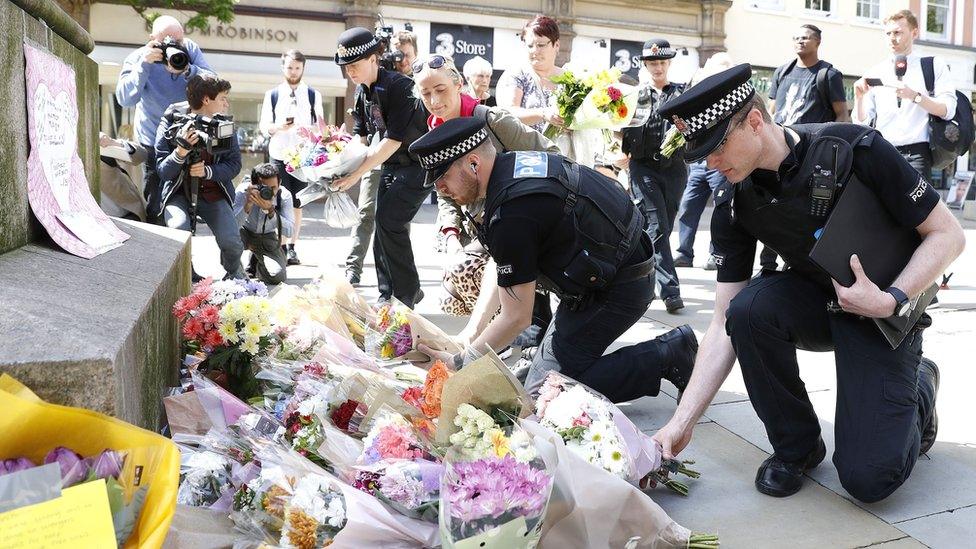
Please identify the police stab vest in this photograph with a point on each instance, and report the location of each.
(789, 222)
(608, 226)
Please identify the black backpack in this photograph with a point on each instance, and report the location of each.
(823, 87)
(948, 139)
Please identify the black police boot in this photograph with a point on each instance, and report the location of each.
(682, 345)
(928, 383)
(674, 304)
(780, 479)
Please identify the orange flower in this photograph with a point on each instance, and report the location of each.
(433, 386)
(622, 111)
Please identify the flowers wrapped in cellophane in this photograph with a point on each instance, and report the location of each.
(397, 330)
(293, 503)
(593, 100)
(496, 485)
(323, 153)
(595, 429)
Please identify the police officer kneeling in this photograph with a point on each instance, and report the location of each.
(885, 397)
(548, 220)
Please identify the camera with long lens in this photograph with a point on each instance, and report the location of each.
(214, 132)
(389, 57)
(175, 54)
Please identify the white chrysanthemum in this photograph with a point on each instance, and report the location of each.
(228, 331)
(250, 346)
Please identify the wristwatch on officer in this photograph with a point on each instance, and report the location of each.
(902, 303)
(918, 98)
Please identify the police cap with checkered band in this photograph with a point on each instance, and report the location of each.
(657, 48)
(355, 44)
(440, 147)
(703, 113)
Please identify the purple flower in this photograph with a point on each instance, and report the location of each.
(11, 466)
(489, 488)
(402, 341)
(73, 468)
(108, 464)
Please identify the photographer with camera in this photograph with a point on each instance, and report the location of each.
(154, 77)
(404, 51)
(263, 209)
(198, 157)
(385, 104)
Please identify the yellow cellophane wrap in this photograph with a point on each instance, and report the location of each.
(31, 427)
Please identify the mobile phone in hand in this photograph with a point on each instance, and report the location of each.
(873, 82)
(290, 120)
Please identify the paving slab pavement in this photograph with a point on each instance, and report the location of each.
(935, 508)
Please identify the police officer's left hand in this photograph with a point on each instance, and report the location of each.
(864, 298)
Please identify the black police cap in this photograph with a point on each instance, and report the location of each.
(440, 147)
(355, 44)
(657, 48)
(703, 114)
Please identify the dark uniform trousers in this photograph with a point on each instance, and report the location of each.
(400, 194)
(659, 188)
(575, 342)
(878, 421)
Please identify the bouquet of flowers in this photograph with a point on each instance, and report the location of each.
(108, 466)
(397, 330)
(204, 478)
(673, 140)
(595, 429)
(231, 323)
(391, 437)
(495, 487)
(412, 487)
(290, 508)
(427, 398)
(293, 503)
(593, 101)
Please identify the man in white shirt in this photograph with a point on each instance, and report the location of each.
(900, 108)
(288, 107)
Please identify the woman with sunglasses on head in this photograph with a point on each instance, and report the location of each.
(439, 86)
(528, 92)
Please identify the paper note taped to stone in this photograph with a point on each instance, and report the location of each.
(57, 188)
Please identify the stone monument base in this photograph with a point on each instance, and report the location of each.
(96, 333)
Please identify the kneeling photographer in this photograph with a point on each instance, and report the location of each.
(198, 157)
(263, 209)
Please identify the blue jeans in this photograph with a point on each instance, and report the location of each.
(576, 340)
(220, 218)
(702, 182)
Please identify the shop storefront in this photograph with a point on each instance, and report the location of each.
(246, 52)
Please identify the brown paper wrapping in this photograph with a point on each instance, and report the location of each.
(185, 415)
(486, 383)
(426, 332)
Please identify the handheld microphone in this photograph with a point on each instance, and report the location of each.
(901, 67)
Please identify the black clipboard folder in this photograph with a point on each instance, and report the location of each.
(860, 224)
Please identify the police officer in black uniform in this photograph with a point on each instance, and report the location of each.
(385, 104)
(885, 397)
(551, 222)
(658, 182)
